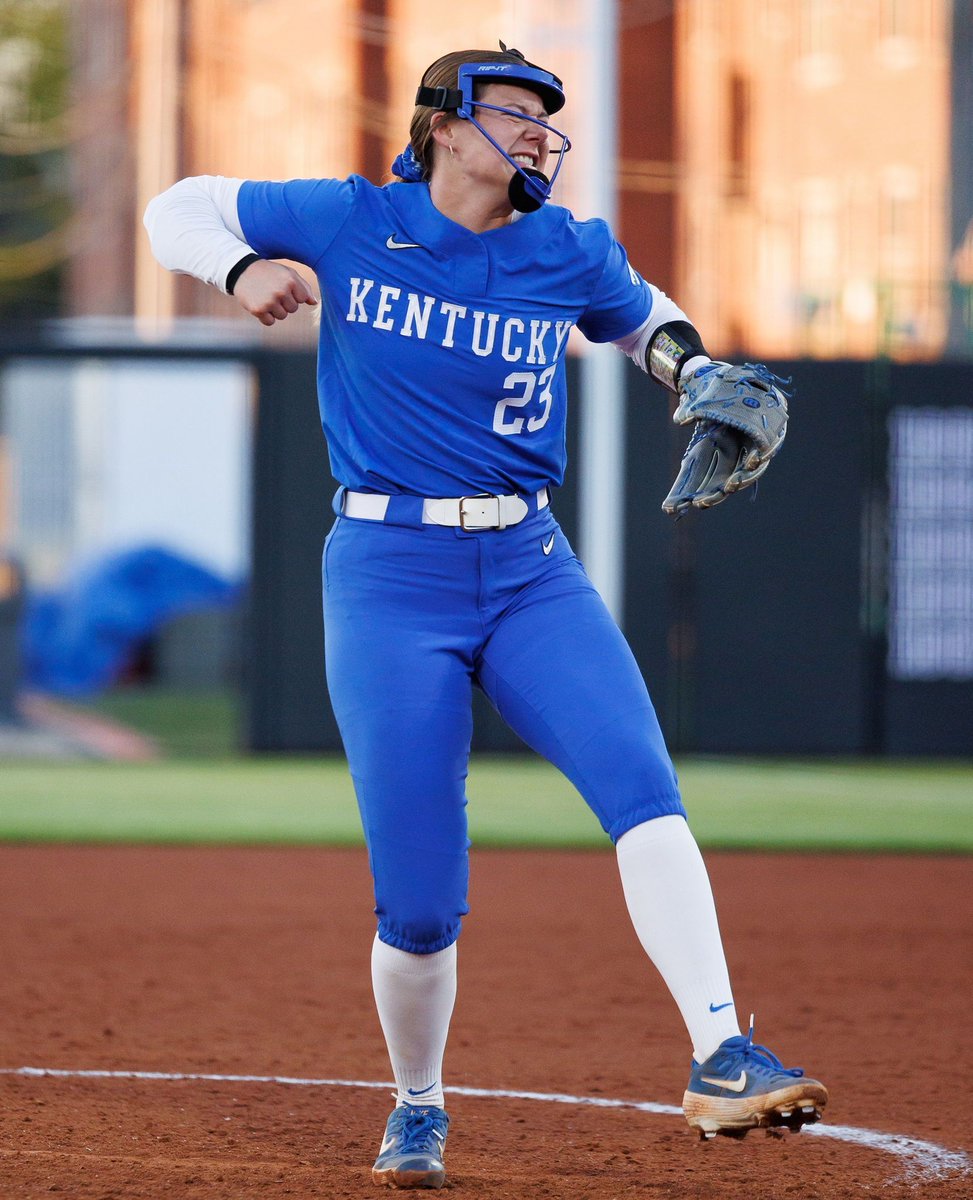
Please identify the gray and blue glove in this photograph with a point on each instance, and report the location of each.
(740, 418)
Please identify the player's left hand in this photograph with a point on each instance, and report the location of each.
(740, 418)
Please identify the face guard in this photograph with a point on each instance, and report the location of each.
(529, 188)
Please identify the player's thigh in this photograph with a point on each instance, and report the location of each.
(561, 674)
(401, 628)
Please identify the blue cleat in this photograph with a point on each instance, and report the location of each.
(412, 1149)
(742, 1086)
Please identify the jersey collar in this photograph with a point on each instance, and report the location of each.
(444, 238)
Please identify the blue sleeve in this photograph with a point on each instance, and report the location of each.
(621, 300)
(298, 219)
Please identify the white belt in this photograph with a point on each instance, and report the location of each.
(468, 512)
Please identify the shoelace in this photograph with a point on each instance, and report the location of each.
(418, 1127)
(753, 1052)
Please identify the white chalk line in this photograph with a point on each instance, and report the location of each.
(923, 1161)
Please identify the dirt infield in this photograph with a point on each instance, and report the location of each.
(191, 962)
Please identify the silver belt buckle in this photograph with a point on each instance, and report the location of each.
(462, 512)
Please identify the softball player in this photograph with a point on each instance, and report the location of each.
(446, 303)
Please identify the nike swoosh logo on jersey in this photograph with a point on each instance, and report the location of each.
(392, 244)
(731, 1085)
(547, 547)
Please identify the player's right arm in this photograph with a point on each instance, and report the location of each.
(194, 229)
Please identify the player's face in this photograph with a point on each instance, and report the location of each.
(525, 141)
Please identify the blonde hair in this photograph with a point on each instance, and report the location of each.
(444, 72)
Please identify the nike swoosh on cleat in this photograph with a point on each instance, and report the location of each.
(548, 546)
(718, 1007)
(731, 1085)
(392, 244)
(422, 1091)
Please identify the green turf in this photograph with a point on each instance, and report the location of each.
(184, 722)
(513, 801)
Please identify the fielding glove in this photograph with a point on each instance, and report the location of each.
(740, 418)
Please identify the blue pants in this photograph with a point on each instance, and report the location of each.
(414, 616)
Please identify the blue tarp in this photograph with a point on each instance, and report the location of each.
(78, 640)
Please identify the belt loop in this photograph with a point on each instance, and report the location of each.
(338, 503)
(405, 510)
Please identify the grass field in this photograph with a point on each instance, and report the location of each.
(185, 723)
(513, 801)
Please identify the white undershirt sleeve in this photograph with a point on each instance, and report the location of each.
(194, 228)
(636, 344)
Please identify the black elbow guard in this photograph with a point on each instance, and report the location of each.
(672, 345)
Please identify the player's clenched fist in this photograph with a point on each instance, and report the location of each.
(271, 291)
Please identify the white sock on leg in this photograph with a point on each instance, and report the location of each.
(414, 995)
(670, 901)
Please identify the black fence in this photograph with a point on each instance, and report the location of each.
(762, 626)
(828, 612)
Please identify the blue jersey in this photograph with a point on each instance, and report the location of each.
(441, 367)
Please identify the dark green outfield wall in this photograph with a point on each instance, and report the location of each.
(760, 625)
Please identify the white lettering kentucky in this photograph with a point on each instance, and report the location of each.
(416, 316)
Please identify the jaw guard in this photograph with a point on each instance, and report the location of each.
(529, 188)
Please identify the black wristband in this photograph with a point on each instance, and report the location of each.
(236, 271)
(671, 345)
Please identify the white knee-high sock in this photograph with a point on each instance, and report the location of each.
(670, 901)
(414, 995)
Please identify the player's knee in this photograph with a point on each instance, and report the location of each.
(645, 788)
(420, 899)
(419, 933)
(648, 810)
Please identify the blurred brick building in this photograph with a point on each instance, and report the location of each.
(815, 173)
(784, 168)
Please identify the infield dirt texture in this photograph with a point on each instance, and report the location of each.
(255, 962)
